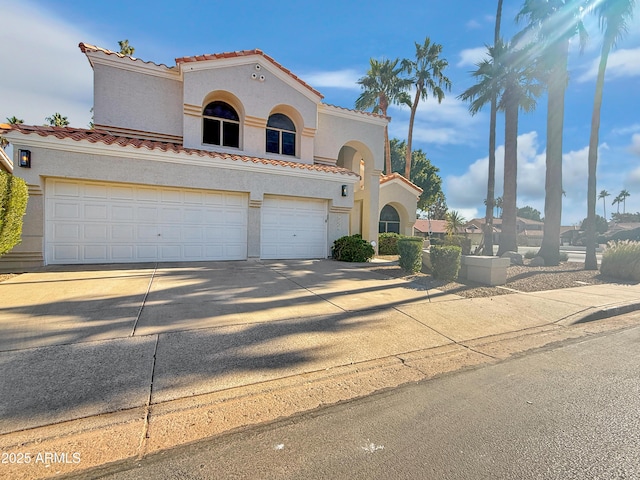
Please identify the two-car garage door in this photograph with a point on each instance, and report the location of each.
(91, 222)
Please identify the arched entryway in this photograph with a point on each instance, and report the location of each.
(389, 220)
(357, 157)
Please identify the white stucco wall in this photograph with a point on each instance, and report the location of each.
(137, 101)
(135, 166)
(404, 200)
(259, 99)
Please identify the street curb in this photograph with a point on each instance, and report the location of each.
(600, 313)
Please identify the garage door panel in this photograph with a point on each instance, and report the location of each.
(293, 228)
(122, 213)
(96, 232)
(95, 223)
(96, 253)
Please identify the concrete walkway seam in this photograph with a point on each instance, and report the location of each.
(144, 300)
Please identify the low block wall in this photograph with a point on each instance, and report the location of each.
(484, 269)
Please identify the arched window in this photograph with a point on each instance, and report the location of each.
(220, 125)
(389, 220)
(281, 135)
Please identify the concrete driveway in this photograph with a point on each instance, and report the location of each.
(119, 361)
(81, 341)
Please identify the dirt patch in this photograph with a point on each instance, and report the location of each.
(519, 278)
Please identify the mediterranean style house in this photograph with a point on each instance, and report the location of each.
(221, 157)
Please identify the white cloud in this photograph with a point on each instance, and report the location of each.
(635, 144)
(621, 63)
(346, 79)
(473, 24)
(470, 189)
(446, 123)
(627, 130)
(472, 56)
(45, 72)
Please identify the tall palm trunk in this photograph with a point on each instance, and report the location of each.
(509, 234)
(590, 261)
(491, 180)
(414, 108)
(550, 248)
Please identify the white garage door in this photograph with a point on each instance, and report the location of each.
(293, 228)
(89, 222)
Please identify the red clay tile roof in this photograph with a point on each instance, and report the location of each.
(86, 47)
(102, 136)
(247, 53)
(388, 178)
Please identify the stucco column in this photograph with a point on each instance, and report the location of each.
(254, 226)
(370, 207)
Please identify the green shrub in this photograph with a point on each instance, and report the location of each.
(529, 254)
(458, 241)
(563, 257)
(13, 205)
(622, 260)
(388, 243)
(352, 249)
(445, 261)
(410, 251)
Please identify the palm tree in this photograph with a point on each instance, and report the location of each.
(614, 16)
(57, 120)
(509, 72)
(623, 196)
(553, 23)
(426, 75)
(617, 200)
(11, 121)
(125, 48)
(382, 86)
(454, 222)
(499, 205)
(479, 96)
(604, 194)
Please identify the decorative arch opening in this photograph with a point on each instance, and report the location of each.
(356, 157)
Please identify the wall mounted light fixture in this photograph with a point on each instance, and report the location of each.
(345, 190)
(24, 158)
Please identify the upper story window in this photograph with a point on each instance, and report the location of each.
(221, 125)
(281, 135)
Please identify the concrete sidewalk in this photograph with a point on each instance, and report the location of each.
(117, 362)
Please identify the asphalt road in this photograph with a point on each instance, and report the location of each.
(571, 412)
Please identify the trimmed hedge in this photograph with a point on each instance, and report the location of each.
(352, 249)
(410, 251)
(13, 205)
(445, 261)
(388, 243)
(622, 260)
(454, 240)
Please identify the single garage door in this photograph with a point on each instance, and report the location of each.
(90, 222)
(293, 228)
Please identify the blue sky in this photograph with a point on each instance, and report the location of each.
(328, 44)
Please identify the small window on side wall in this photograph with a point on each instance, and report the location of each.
(281, 135)
(220, 125)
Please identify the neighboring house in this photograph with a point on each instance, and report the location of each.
(220, 157)
(437, 229)
(530, 232)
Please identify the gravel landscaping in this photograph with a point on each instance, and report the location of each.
(519, 279)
